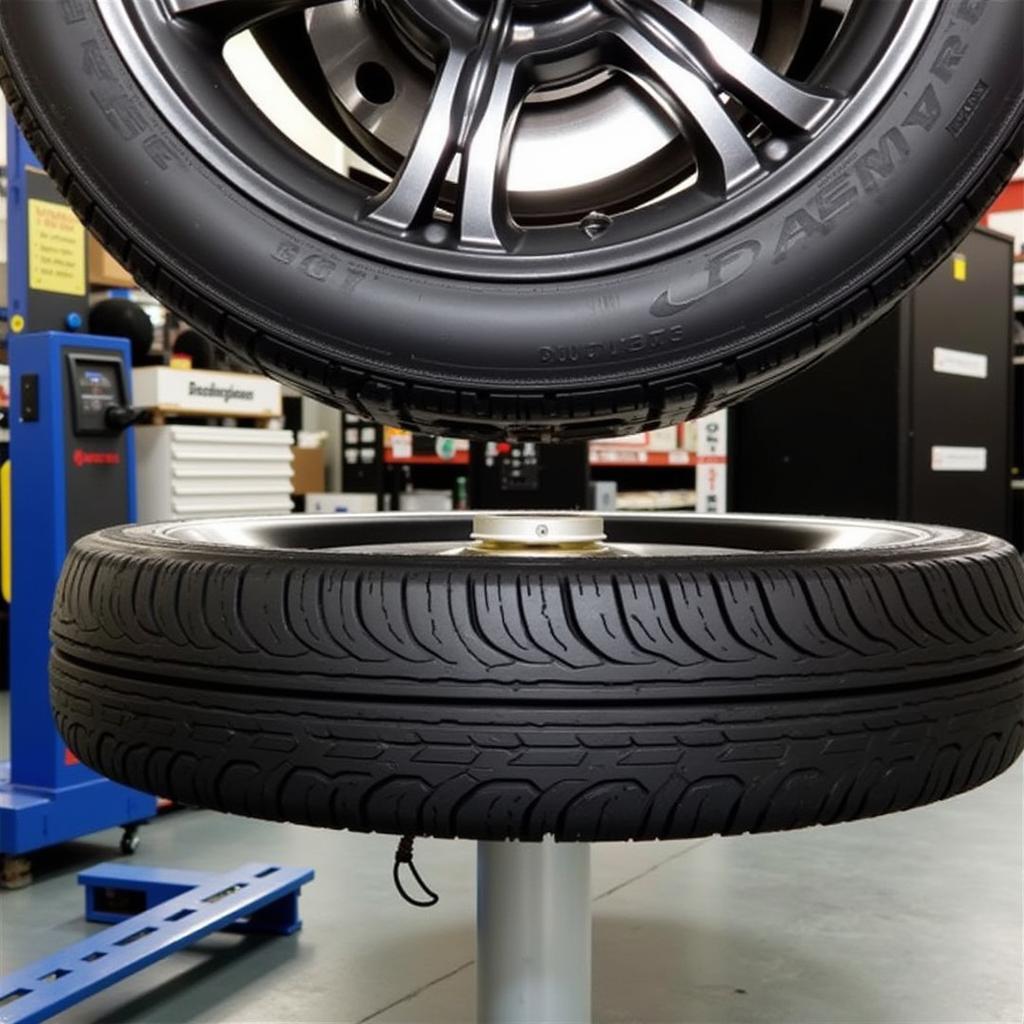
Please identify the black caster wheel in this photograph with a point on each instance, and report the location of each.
(15, 872)
(130, 840)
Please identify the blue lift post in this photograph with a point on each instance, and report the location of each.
(69, 476)
(181, 907)
(46, 797)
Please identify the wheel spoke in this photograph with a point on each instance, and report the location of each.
(476, 93)
(773, 98)
(483, 220)
(717, 139)
(411, 196)
(228, 17)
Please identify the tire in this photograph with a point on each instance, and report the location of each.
(802, 678)
(598, 349)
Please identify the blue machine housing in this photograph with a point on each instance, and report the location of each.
(46, 796)
(19, 159)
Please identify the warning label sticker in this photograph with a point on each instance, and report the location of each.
(56, 249)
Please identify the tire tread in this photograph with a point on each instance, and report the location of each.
(489, 700)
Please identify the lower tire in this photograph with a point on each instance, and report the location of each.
(797, 672)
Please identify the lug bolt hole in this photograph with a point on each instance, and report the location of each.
(375, 83)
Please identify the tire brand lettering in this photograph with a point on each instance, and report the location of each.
(840, 193)
(798, 226)
(319, 268)
(122, 113)
(925, 112)
(94, 63)
(962, 118)
(285, 253)
(631, 344)
(159, 151)
(721, 269)
(354, 277)
(949, 58)
(315, 266)
(72, 11)
(836, 195)
(878, 164)
(971, 10)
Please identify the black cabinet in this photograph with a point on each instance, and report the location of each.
(525, 476)
(911, 420)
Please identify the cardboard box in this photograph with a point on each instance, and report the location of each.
(309, 471)
(665, 439)
(104, 270)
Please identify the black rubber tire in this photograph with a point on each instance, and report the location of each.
(588, 699)
(589, 356)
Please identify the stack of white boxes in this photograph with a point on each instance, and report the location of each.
(188, 471)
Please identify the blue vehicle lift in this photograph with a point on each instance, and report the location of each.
(70, 472)
(158, 912)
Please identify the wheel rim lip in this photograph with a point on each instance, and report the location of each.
(328, 536)
(912, 31)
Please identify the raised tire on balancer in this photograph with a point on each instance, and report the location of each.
(645, 212)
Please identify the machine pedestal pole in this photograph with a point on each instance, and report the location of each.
(533, 933)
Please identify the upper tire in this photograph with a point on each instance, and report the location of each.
(594, 354)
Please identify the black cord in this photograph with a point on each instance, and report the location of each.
(403, 855)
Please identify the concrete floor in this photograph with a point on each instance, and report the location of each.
(912, 919)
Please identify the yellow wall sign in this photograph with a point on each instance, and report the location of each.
(56, 249)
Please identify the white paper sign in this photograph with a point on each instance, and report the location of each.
(207, 392)
(712, 462)
(401, 446)
(959, 363)
(957, 459)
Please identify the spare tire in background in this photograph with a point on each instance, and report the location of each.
(649, 253)
(710, 675)
(122, 318)
(198, 348)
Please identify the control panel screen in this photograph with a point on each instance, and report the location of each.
(96, 385)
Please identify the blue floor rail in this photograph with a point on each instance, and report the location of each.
(157, 912)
